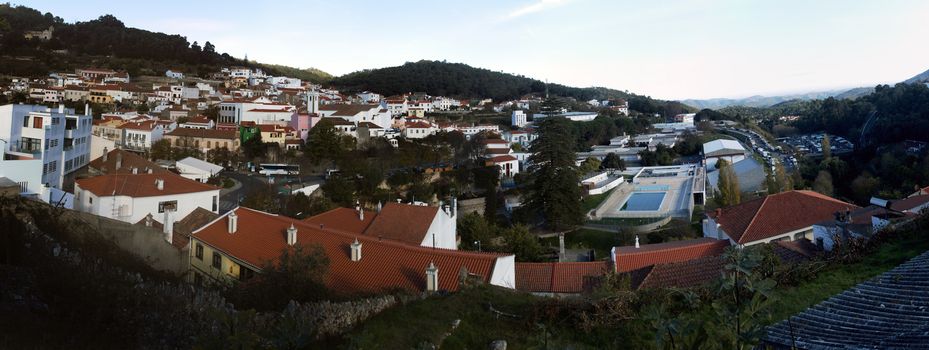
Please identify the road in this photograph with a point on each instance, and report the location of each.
(759, 144)
(248, 184)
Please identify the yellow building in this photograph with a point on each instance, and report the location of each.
(210, 264)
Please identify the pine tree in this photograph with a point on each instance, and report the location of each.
(553, 188)
(823, 183)
(729, 191)
(827, 147)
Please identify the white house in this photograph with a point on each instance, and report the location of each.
(508, 164)
(413, 224)
(786, 216)
(418, 130)
(357, 113)
(131, 197)
(730, 150)
(58, 137)
(22, 169)
(173, 74)
(518, 119)
(260, 110)
(140, 135)
(196, 169)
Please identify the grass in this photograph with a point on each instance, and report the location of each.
(838, 278)
(427, 320)
(600, 241)
(592, 202)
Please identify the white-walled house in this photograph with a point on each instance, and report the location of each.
(140, 135)
(730, 150)
(22, 169)
(57, 136)
(196, 169)
(412, 224)
(131, 197)
(786, 216)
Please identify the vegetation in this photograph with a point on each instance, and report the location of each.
(460, 80)
(553, 185)
(728, 192)
(296, 275)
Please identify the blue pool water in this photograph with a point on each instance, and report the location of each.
(652, 187)
(644, 201)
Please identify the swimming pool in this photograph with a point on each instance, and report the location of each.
(653, 188)
(644, 201)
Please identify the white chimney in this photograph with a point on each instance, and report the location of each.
(291, 235)
(160, 184)
(135, 170)
(169, 225)
(86, 108)
(150, 170)
(119, 160)
(637, 241)
(432, 278)
(233, 222)
(361, 213)
(356, 250)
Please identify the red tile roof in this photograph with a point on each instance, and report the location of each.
(559, 277)
(909, 203)
(418, 125)
(141, 185)
(384, 265)
(128, 161)
(342, 219)
(502, 159)
(777, 214)
(205, 133)
(147, 125)
(630, 258)
(682, 274)
(403, 222)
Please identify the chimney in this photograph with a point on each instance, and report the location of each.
(160, 184)
(169, 225)
(119, 160)
(135, 170)
(398, 200)
(379, 207)
(87, 109)
(233, 222)
(636, 241)
(106, 154)
(291, 235)
(150, 170)
(454, 206)
(432, 278)
(356, 250)
(148, 220)
(361, 212)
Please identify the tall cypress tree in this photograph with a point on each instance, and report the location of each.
(554, 191)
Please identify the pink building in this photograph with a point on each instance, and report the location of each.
(303, 122)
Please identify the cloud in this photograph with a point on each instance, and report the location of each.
(538, 5)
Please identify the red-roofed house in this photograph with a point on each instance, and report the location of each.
(630, 258)
(561, 278)
(419, 225)
(784, 216)
(238, 244)
(130, 197)
(509, 165)
(418, 129)
(140, 135)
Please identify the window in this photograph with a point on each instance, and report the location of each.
(90, 200)
(198, 279)
(37, 122)
(26, 121)
(215, 203)
(199, 251)
(217, 261)
(170, 205)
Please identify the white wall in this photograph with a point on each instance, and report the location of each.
(445, 228)
(504, 273)
(138, 208)
(711, 161)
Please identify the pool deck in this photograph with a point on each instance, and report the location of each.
(680, 181)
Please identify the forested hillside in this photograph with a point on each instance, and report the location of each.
(461, 80)
(107, 42)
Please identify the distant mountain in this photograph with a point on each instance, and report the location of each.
(758, 101)
(919, 78)
(763, 101)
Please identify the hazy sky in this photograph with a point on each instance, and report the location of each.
(667, 49)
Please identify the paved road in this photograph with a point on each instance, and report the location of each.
(760, 142)
(247, 184)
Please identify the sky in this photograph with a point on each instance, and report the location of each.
(669, 49)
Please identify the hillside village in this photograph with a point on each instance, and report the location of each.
(225, 180)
